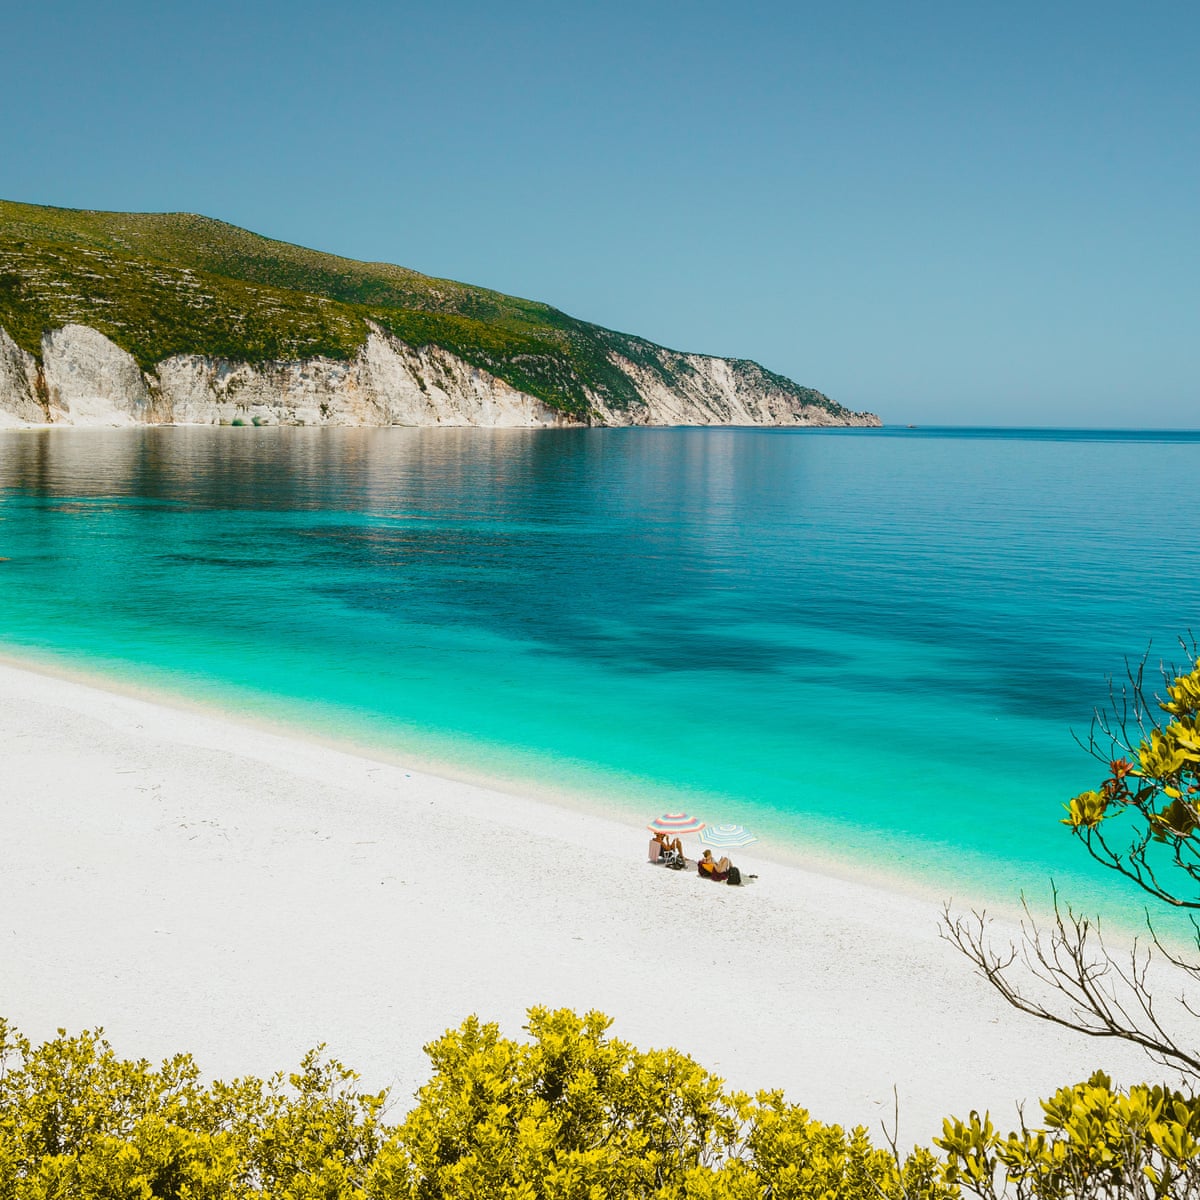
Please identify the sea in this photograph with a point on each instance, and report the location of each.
(880, 650)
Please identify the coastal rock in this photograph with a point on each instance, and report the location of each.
(20, 402)
(431, 386)
(387, 383)
(195, 390)
(90, 380)
(715, 391)
(86, 379)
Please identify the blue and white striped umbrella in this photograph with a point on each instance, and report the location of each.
(726, 836)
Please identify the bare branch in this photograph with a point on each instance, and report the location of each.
(1085, 988)
(1143, 822)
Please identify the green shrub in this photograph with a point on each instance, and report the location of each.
(1099, 1143)
(76, 1121)
(569, 1114)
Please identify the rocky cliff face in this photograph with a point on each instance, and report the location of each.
(716, 391)
(86, 379)
(21, 387)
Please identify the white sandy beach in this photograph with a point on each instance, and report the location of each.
(191, 883)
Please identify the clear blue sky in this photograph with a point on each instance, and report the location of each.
(959, 213)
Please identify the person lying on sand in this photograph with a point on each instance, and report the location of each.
(717, 870)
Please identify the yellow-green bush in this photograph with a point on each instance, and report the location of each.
(77, 1122)
(568, 1114)
(1098, 1143)
(575, 1113)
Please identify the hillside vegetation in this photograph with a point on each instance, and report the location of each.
(160, 284)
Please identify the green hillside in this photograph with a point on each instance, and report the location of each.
(159, 284)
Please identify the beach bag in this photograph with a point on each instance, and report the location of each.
(735, 877)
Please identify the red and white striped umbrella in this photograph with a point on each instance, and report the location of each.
(675, 823)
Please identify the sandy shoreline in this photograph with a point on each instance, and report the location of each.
(192, 883)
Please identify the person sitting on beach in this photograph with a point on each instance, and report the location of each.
(668, 843)
(714, 869)
(665, 846)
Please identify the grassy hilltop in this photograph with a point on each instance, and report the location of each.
(160, 284)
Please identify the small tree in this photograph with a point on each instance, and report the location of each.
(1143, 821)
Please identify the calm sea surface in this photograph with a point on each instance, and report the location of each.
(870, 645)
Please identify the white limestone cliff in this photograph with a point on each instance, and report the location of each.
(715, 391)
(19, 385)
(90, 380)
(386, 383)
(86, 379)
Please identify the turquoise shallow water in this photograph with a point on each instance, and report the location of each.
(872, 646)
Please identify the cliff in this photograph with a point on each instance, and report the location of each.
(115, 318)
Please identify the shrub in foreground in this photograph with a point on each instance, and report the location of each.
(77, 1122)
(569, 1114)
(575, 1113)
(1099, 1143)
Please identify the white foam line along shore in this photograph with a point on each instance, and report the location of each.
(192, 883)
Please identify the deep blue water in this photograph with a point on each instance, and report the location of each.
(871, 645)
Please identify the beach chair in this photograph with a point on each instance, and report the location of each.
(673, 860)
(666, 858)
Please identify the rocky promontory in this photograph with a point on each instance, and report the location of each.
(129, 319)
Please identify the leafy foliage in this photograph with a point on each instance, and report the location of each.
(570, 1113)
(1099, 1145)
(76, 1121)
(790, 1156)
(1142, 822)
(1152, 788)
(160, 284)
(577, 1113)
